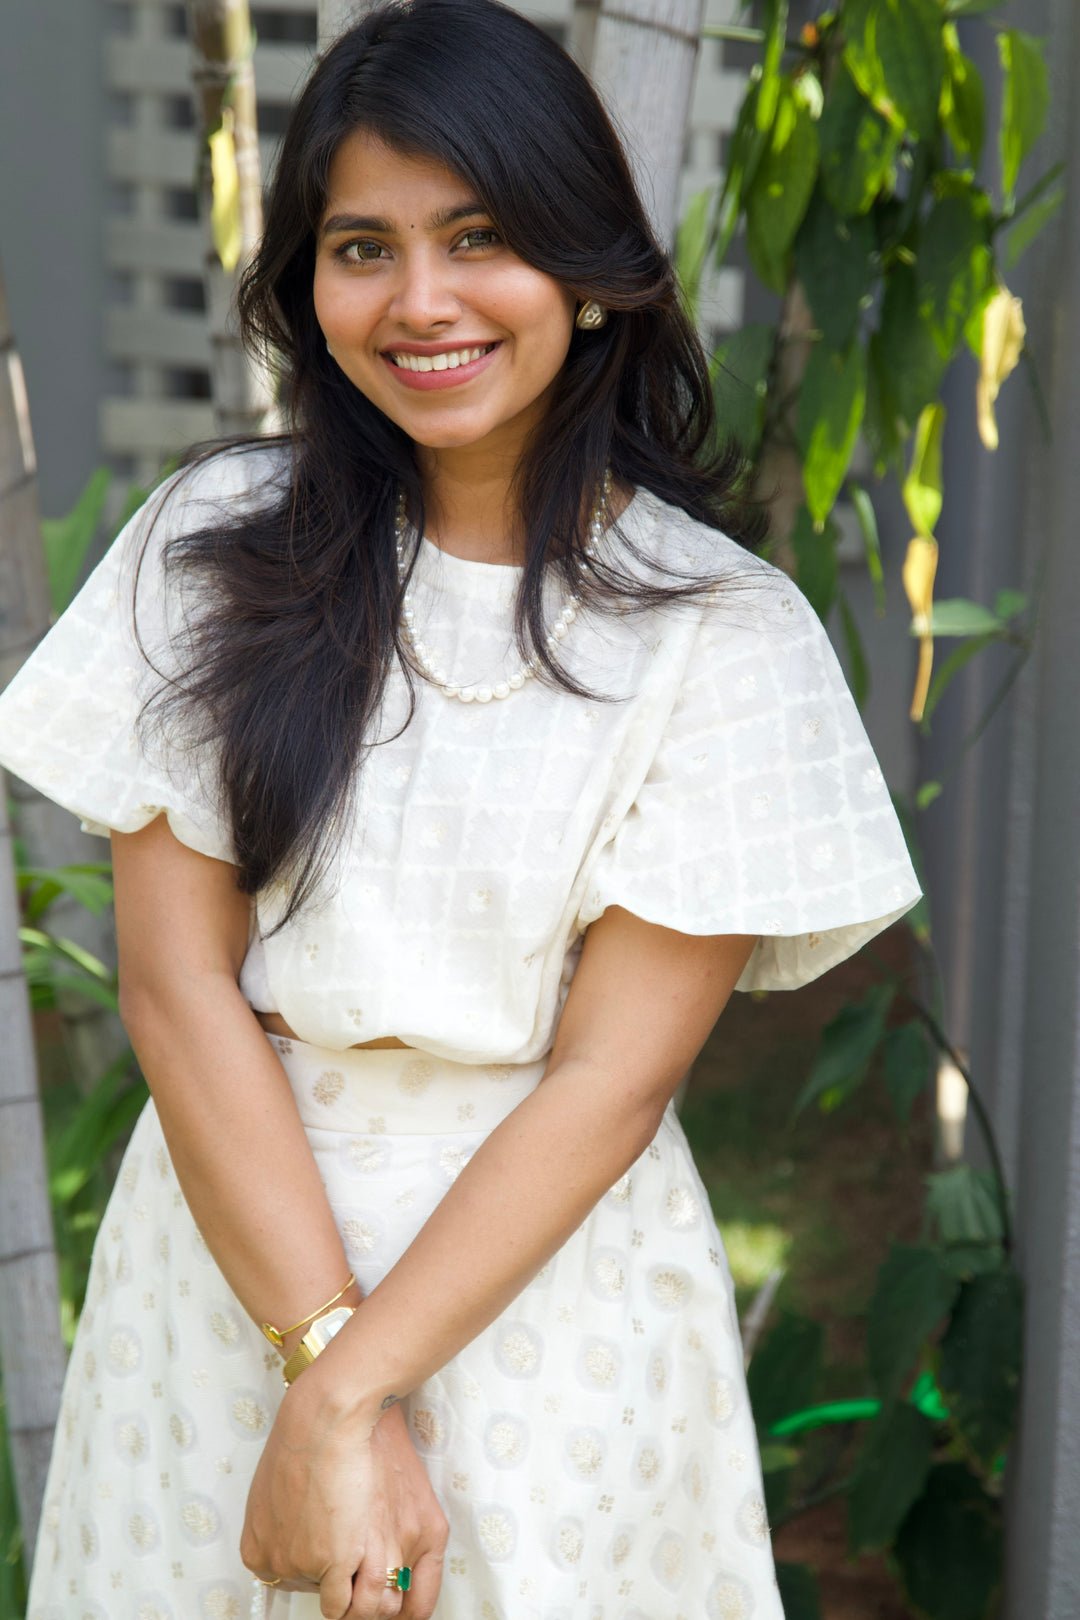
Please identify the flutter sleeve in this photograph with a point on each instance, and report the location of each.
(68, 718)
(764, 810)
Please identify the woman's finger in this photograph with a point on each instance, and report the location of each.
(335, 1593)
(423, 1593)
(372, 1599)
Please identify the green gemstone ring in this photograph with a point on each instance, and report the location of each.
(400, 1578)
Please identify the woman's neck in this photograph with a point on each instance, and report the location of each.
(469, 510)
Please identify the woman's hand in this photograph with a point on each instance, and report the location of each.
(334, 1504)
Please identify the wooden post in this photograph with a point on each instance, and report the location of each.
(223, 76)
(31, 1348)
(643, 60)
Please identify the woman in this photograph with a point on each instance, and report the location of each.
(436, 860)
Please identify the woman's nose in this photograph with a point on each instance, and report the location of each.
(424, 296)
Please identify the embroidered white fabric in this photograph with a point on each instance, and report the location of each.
(728, 787)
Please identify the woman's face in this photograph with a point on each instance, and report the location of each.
(426, 310)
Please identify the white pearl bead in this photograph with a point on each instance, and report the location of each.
(451, 691)
(466, 694)
(558, 630)
(501, 689)
(517, 680)
(483, 694)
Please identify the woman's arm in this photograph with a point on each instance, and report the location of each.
(246, 1168)
(641, 1004)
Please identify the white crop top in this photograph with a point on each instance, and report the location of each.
(729, 788)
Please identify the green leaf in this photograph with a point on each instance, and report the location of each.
(832, 259)
(1034, 221)
(769, 84)
(955, 616)
(848, 1042)
(831, 405)
(76, 1151)
(89, 885)
(864, 511)
(65, 950)
(781, 188)
(1009, 603)
(858, 147)
(963, 102)
(799, 1596)
(1025, 101)
(816, 567)
(923, 490)
(963, 1210)
(784, 1369)
(944, 673)
(740, 373)
(896, 55)
(953, 266)
(748, 144)
(857, 670)
(909, 361)
(68, 539)
(918, 918)
(889, 1476)
(913, 1292)
(949, 1548)
(692, 246)
(906, 1063)
(928, 792)
(980, 1360)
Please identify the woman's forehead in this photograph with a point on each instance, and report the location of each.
(369, 177)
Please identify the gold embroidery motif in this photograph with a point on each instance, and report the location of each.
(250, 1414)
(496, 1534)
(571, 1544)
(430, 1430)
(328, 1087)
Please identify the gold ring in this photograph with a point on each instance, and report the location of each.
(275, 1582)
(400, 1577)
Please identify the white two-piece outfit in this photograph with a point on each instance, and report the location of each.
(593, 1448)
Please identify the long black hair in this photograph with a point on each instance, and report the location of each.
(286, 665)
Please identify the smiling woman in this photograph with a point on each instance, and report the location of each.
(450, 739)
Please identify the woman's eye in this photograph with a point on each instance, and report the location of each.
(479, 237)
(360, 252)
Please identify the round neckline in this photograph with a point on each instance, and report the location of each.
(464, 576)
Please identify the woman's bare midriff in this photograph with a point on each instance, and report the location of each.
(274, 1024)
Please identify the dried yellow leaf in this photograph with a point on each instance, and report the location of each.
(225, 209)
(1003, 337)
(920, 568)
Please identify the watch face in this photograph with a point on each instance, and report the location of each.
(324, 1329)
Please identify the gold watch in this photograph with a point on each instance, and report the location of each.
(316, 1339)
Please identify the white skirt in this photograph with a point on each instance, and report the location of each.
(593, 1449)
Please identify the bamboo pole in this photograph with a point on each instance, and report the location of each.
(31, 1348)
(223, 78)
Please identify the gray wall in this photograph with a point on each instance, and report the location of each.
(1003, 847)
(51, 207)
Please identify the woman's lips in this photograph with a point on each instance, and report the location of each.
(450, 378)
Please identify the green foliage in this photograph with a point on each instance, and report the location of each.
(914, 1291)
(740, 372)
(949, 1547)
(783, 1373)
(858, 669)
(778, 195)
(890, 1476)
(799, 1596)
(1025, 102)
(964, 1213)
(905, 1066)
(847, 1045)
(896, 55)
(833, 262)
(924, 485)
(858, 147)
(831, 405)
(68, 539)
(980, 1361)
(816, 568)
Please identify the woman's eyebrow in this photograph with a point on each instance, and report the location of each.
(438, 221)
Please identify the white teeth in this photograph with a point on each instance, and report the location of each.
(438, 362)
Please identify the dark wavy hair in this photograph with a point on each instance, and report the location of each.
(285, 667)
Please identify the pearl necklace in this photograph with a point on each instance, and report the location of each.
(428, 659)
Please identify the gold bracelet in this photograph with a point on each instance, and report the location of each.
(277, 1335)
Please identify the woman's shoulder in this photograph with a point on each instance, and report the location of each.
(747, 590)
